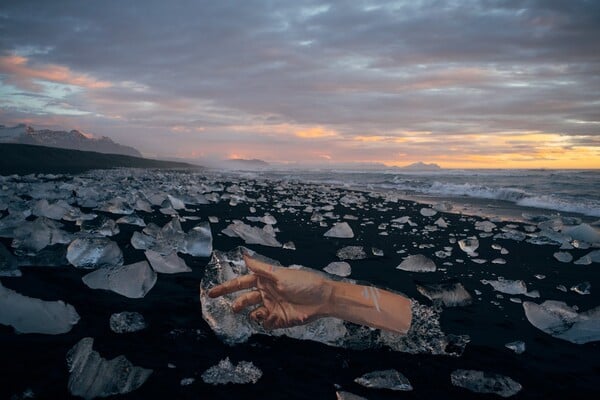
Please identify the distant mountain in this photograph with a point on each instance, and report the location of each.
(74, 140)
(421, 166)
(25, 159)
(240, 163)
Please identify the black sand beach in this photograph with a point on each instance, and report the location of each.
(294, 369)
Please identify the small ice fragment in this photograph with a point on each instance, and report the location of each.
(498, 261)
(451, 293)
(29, 315)
(342, 395)
(485, 382)
(479, 260)
(539, 276)
(133, 280)
(131, 220)
(387, 379)
(213, 220)
(582, 288)
(169, 264)
(225, 372)
(127, 322)
(507, 286)
(417, 263)
(469, 246)
(100, 226)
(339, 268)
(351, 253)
(340, 230)
(518, 347)
(377, 252)
(94, 253)
(441, 223)
(585, 260)
(187, 381)
(289, 246)
(556, 318)
(485, 226)
(428, 212)
(563, 256)
(92, 376)
(562, 288)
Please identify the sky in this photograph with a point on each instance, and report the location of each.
(464, 84)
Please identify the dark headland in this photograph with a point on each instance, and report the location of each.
(28, 159)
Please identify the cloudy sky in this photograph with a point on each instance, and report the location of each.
(460, 83)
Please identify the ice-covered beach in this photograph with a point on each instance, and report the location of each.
(102, 272)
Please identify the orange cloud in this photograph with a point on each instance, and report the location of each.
(18, 70)
(316, 132)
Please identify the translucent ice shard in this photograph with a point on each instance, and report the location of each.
(94, 253)
(518, 346)
(583, 232)
(225, 372)
(556, 318)
(251, 234)
(133, 280)
(339, 268)
(343, 395)
(563, 256)
(131, 220)
(29, 315)
(55, 210)
(198, 241)
(485, 382)
(100, 226)
(428, 212)
(425, 335)
(351, 253)
(169, 264)
(507, 286)
(417, 263)
(450, 293)
(127, 322)
(32, 236)
(340, 230)
(92, 376)
(582, 288)
(486, 226)
(387, 379)
(469, 246)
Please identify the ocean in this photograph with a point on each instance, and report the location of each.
(504, 193)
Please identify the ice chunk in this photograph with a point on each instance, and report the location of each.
(518, 346)
(117, 205)
(485, 382)
(29, 315)
(289, 246)
(170, 264)
(131, 220)
(376, 252)
(585, 260)
(556, 318)
(100, 226)
(94, 253)
(428, 212)
(127, 322)
(417, 263)
(425, 335)
(55, 210)
(339, 268)
(225, 372)
(451, 293)
(251, 234)
(507, 286)
(92, 376)
(213, 220)
(387, 379)
(187, 381)
(133, 280)
(174, 202)
(583, 232)
(340, 230)
(582, 288)
(469, 246)
(486, 226)
(8, 263)
(342, 395)
(32, 236)
(441, 223)
(563, 256)
(198, 241)
(351, 253)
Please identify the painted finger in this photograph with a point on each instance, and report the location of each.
(246, 299)
(259, 314)
(261, 268)
(234, 285)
